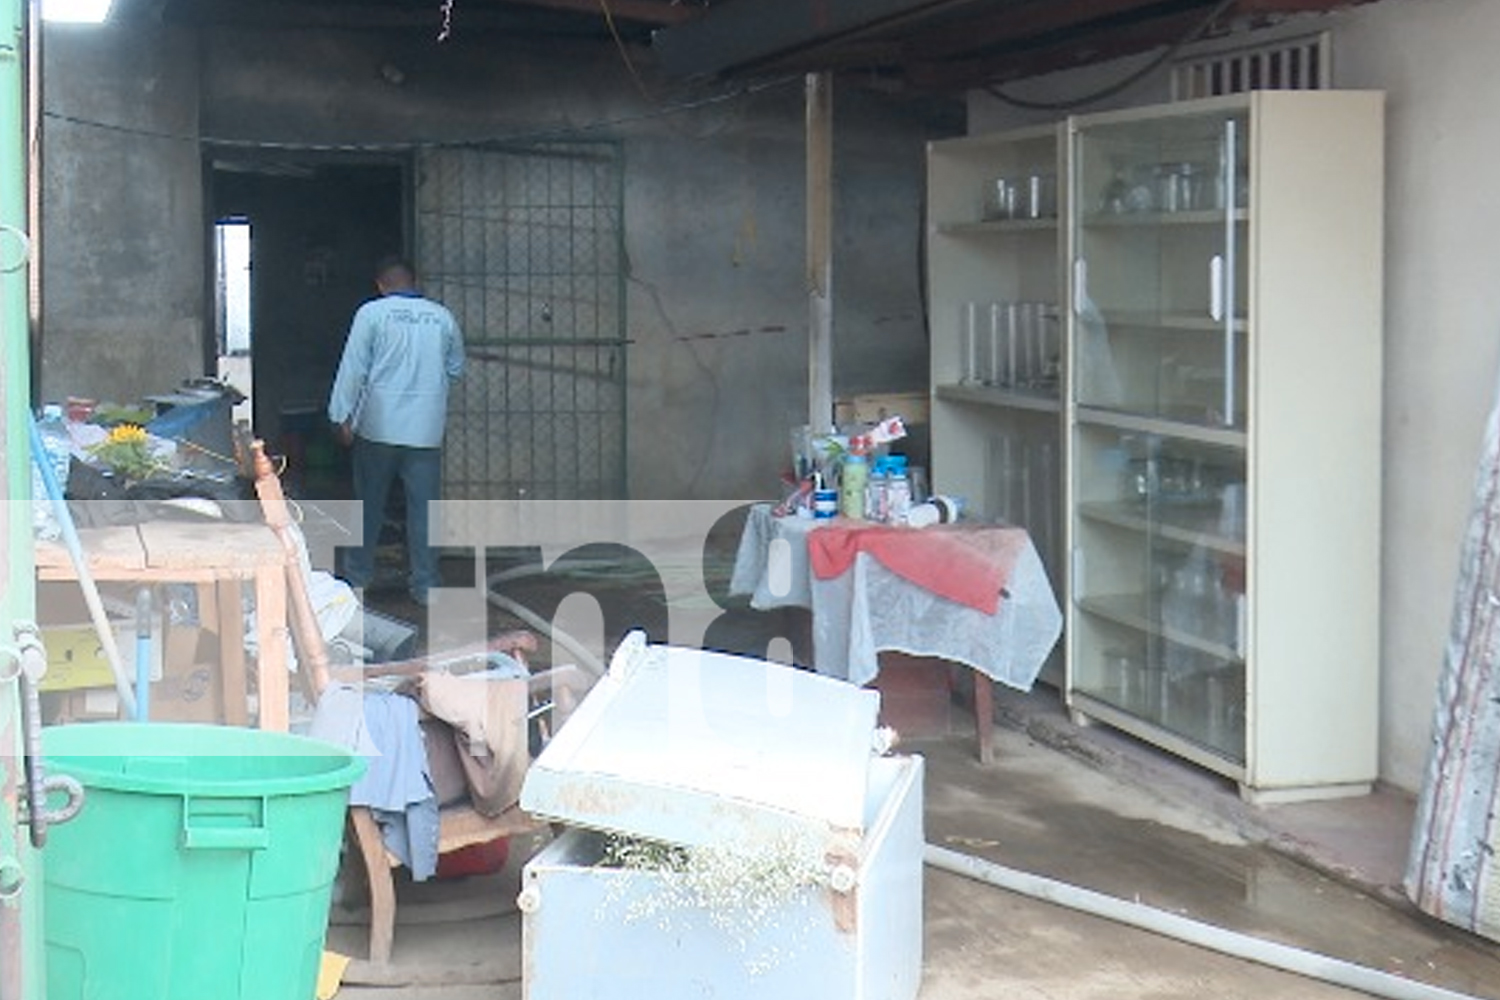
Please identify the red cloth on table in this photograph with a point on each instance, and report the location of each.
(968, 565)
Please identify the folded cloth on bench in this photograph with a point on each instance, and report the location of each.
(968, 565)
(488, 717)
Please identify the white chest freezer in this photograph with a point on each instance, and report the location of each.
(797, 868)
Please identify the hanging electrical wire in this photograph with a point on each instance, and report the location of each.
(609, 19)
(1129, 80)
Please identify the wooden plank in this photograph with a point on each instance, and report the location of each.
(190, 545)
(272, 676)
(911, 407)
(110, 551)
(231, 629)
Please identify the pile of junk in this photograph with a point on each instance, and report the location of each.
(117, 463)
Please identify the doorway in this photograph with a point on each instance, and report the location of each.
(312, 231)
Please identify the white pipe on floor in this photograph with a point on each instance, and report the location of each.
(1278, 956)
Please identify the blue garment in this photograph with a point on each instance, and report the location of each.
(397, 786)
(402, 353)
(376, 467)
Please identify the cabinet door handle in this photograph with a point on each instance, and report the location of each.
(1080, 285)
(1216, 287)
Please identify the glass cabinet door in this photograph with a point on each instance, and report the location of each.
(1160, 245)
(1159, 357)
(1160, 582)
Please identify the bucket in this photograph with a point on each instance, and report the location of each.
(201, 864)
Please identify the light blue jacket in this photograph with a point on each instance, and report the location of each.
(402, 354)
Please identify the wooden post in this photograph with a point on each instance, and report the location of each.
(819, 100)
(310, 645)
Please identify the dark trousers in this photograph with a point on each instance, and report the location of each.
(376, 467)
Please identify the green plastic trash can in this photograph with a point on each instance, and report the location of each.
(200, 866)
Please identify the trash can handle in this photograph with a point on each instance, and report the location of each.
(226, 838)
(213, 836)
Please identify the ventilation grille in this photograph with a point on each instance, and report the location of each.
(1301, 63)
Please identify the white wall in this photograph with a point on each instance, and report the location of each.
(1442, 305)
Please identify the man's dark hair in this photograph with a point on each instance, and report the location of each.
(395, 270)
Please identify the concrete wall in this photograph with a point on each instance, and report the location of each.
(122, 217)
(714, 214)
(1442, 310)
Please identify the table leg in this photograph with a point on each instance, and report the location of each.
(232, 653)
(273, 684)
(984, 716)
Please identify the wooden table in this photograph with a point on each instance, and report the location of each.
(219, 558)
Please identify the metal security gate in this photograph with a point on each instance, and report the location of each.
(524, 244)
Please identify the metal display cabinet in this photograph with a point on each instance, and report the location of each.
(995, 280)
(1224, 428)
(775, 772)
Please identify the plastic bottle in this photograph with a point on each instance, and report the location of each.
(58, 444)
(875, 495)
(897, 491)
(57, 440)
(854, 479)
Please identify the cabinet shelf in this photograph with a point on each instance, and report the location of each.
(1152, 220)
(996, 227)
(1183, 322)
(1132, 611)
(1191, 525)
(1013, 399)
(1226, 437)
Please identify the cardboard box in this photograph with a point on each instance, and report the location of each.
(192, 685)
(189, 687)
(76, 659)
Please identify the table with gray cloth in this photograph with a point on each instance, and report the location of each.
(870, 609)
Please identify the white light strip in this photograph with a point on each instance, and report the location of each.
(76, 11)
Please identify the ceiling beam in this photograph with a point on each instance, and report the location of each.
(374, 14)
(1040, 25)
(888, 36)
(656, 12)
(736, 35)
(1293, 6)
(947, 75)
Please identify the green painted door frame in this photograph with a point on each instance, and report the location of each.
(20, 867)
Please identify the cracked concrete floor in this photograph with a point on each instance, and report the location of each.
(1111, 818)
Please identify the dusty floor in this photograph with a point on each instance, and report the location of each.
(1089, 807)
(1092, 810)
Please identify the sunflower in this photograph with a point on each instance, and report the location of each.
(127, 451)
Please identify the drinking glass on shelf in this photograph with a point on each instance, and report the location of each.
(1041, 196)
(969, 371)
(1027, 366)
(1001, 354)
(1049, 336)
(1000, 199)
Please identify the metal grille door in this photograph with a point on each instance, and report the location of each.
(525, 246)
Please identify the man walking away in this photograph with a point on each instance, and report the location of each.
(390, 401)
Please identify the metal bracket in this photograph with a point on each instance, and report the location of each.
(30, 665)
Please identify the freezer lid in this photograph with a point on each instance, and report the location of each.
(692, 747)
